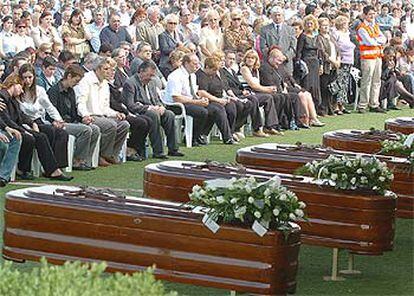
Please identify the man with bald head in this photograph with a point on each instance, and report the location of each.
(280, 34)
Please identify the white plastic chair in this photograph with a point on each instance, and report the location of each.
(95, 154)
(71, 150)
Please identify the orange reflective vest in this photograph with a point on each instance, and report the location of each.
(369, 52)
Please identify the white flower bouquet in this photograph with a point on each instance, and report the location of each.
(351, 173)
(403, 147)
(264, 205)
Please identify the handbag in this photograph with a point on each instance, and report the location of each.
(334, 87)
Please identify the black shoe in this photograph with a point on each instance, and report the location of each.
(61, 177)
(302, 125)
(338, 112)
(175, 153)
(134, 157)
(25, 176)
(201, 141)
(393, 108)
(82, 167)
(346, 111)
(195, 144)
(160, 156)
(229, 142)
(362, 111)
(377, 110)
(3, 182)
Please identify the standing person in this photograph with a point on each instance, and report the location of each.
(346, 51)
(189, 31)
(169, 40)
(93, 98)
(95, 28)
(114, 34)
(309, 52)
(75, 36)
(371, 41)
(280, 34)
(150, 29)
(62, 96)
(238, 37)
(211, 37)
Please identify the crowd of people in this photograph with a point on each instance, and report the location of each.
(110, 71)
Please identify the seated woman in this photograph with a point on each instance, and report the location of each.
(217, 92)
(36, 105)
(391, 86)
(174, 62)
(405, 62)
(250, 71)
(275, 72)
(31, 135)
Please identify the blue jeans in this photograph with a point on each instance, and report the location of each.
(9, 153)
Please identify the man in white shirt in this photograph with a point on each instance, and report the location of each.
(93, 106)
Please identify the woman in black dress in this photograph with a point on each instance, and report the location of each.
(308, 51)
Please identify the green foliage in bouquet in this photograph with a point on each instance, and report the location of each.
(401, 148)
(248, 200)
(351, 173)
(73, 279)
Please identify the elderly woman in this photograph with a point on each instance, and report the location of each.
(238, 37)
(250, 71)
(330, 63)
(169, 40)
(211, 37)
(308, 51)
(75, 37)
(121, 71)
(174, 62)
(45, 32)
(346, 50)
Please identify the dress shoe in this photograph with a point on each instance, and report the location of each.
(134, 157)
(61, 177)
(394, 108)
(302, 125)
(273, 131)
(26, 176)
(3, 182)
(195, 144)
(346, 111)
(112, 160)
(201, 140)
(82, 167)
(361, 110)
(338, 112)
(160, 156)
(103, 162)
(229, 142)
(377, 110)
(260, 134)
(317, 123)
(175, 153)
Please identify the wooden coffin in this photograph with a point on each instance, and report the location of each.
(357, 140)
(285, 158)
(135, 233)
(350, 220)
(404, 125)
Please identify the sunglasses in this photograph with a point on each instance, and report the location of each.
(237, 19)
(47, 52)
(21, 27)
(172, 23)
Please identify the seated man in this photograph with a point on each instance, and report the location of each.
(63, 97)
(93, 98)
(182, 88)
(46, 78)
(140, 96)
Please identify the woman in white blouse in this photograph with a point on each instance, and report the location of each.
(35, 103)
(45, 32)
(7, 44)
(211, 37)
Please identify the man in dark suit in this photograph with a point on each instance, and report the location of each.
(140, 96)
(280, 34)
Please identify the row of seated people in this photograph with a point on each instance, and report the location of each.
(89, 105)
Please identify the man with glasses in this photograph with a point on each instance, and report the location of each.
(189, 31)
(151, 28)
(114, 33)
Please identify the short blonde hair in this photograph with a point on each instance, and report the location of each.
(340, 21)
(313, 19)
(212, 14)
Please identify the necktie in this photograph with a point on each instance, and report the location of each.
(277, 29)
(191, 87)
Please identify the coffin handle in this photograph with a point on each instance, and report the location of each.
(137, 220)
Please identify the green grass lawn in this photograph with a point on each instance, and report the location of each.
(390, 274)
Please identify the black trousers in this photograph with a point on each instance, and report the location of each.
(199, 115)
(244, 109)
(58, 139)
(217, 114)
(268, 103)
(140, 127)
(44, 151)
(327, 101)
(167, 122)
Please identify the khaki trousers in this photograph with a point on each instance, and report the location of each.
(370, 83)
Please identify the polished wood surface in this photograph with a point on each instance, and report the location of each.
(353, 220)
(404, 125)
(288, 158)
(356, 140)
(136, 233)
